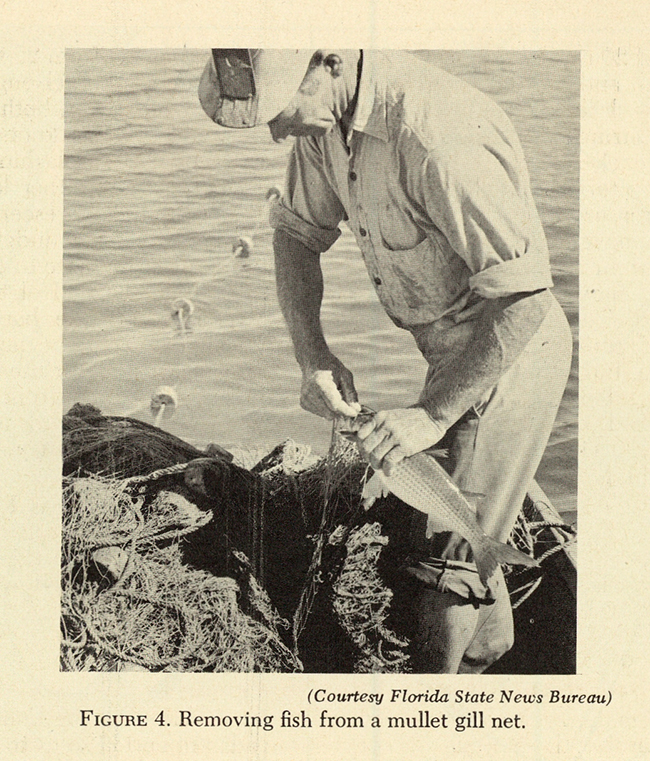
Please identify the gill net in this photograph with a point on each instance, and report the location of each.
(359, 597)
(130, 601)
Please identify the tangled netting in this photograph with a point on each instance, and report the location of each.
(130, 599)
(119, 447)
(361, 601)
(129, 602)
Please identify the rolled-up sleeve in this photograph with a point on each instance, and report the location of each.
(481, 202)
(309, 210)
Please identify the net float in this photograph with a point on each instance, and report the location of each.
(181, 310)
(163, 404)
(273, 194)
(243, 247)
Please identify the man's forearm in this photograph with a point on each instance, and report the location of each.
(299, 282)
(500, 334)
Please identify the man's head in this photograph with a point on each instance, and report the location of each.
(296, 91)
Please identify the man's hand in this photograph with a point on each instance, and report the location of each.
(329, 392)
(393, 435)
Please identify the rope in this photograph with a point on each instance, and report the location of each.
(530, 530)
(170, 471)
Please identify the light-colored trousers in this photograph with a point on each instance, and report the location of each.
(495, 450)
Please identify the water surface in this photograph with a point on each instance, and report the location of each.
(154, 197)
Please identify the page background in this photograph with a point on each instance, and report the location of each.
(41, 706)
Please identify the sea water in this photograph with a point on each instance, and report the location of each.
(155, 197)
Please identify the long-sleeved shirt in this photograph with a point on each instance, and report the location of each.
(432, 181)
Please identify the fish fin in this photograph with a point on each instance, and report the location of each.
(424, 574)
(374, 488)
(440, 454)
(493, 553)
(433, 527)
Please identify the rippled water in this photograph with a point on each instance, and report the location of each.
(155, 196)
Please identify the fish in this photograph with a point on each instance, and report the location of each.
(421, 482)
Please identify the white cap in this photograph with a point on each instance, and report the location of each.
(265, 82)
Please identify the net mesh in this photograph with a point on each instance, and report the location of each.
(361, 601)
(139, 605)
(130, 600)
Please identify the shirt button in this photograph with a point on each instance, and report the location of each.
(377, 280)
(363, 232)
(353, 176)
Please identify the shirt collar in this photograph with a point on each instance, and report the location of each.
(370, 113)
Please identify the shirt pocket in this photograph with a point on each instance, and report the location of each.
(428, 276)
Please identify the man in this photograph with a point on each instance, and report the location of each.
(429, 175)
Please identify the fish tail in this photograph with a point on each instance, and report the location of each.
(493, 553)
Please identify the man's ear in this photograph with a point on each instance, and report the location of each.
(334, 65)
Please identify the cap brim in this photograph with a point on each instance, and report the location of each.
(209, 96)
(278, 75)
